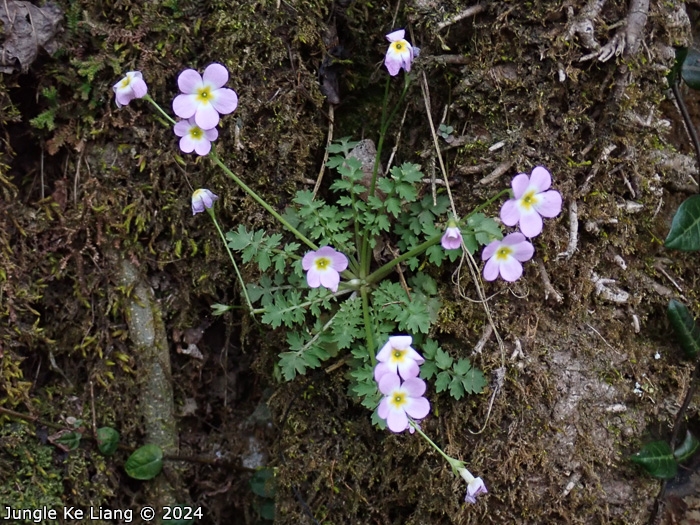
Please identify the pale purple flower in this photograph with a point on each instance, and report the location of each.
(202, 199)
(452, 239)
(130, 87)
(194, 138)
(400, 53)
(323, 267)
(531, 202)
(475, 486)
(505, 256)
(401, 401)
(204, 97)
(398, 356)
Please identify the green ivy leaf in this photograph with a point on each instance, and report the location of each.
(443, 381)
(443, 360)
(689, 447)
(686, 329)
(685, 228)
(145, 463)
(690, 67)
(657, 459)
(263, 482)
(675, 73)
(107, 440)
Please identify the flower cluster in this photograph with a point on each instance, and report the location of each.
(202, 100)
(396, 374)
(532, 200)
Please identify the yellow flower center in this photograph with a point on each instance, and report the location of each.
(398, 354)
(529, 200)
(398, 399)
(196, 132)
(125, 82)
(204, 94)
(399, 46)
(503, 253)
(322, 263)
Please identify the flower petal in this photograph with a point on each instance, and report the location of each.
(510, 213)
(216, 75)
(187, 144)
(531, 224)
(412, 354)
(139, 87)
(211, 134)
(418, 408)
(393, 64)
(491, 269)
(188, 81)
(381, 369)
(385, 353)
(400, 341)
(490, 250)
(540, 178)
(185, 106)
(383, 408)
(511, 269)
(513, 238)
(181, 128)
(397, 421)
(396, 35)
(206, 116)
(414, 386)
(202, 147)
(225, 101)
(388, 383)
(408, 369)
(308, 260)
(330, 279)
(550, 204)
(313, 278)
(520, 184)
(339, 262)
(523, 251)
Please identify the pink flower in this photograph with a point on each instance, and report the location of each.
(402, 400)
(202, 199)
(323, 267)
(505, 256)
(398, 357)
(400, 53)
(475, 486)
(204, 97)
(195, 138)
(452, 239)
(531, 202)
(130, 87)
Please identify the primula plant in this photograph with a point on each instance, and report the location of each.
(350, 276)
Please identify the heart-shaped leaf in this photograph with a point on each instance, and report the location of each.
(107, 440)
(657, 459)
(690, 69)
(145, 463)
(686, 329)
(685, 228)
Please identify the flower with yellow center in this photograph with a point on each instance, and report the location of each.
(504, 257)
(532, 200)
(202, 199)
(398, 356)
(400, 53)
(130, 87)
(402, 400)
(204, 97)
(194, 138)
(323, 267)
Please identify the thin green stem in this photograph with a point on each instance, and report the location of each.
(307, 303)
(487, 203)
(233, 261)
(452, 461)
(160, 110)
(262, 203)
(383, 271)
(368, 325)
